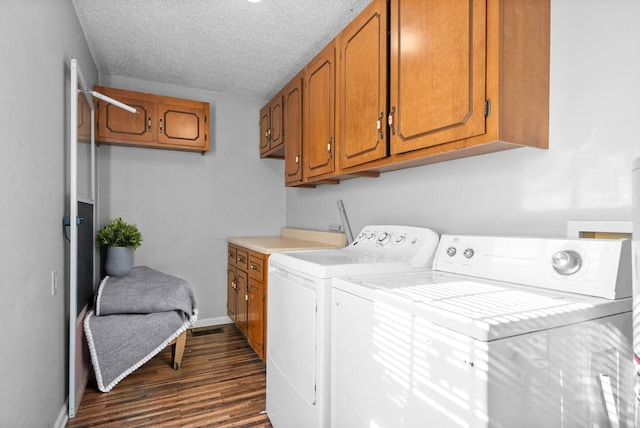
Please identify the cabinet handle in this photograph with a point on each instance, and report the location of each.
(149, 125)
(254, 267)
(241, 259)
(230, 254)
(390, 120)
(297, 159)
(246, 297)
(379, 126)
(234, 285)
(160, 124)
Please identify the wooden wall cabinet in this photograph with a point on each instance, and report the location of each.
(361, 107)
(318, 116)
(84, 119)
(462, 78)
(437, 73)
(466, 78)
(161, 122)
(246, 295)
(271, 130)
(292, 107)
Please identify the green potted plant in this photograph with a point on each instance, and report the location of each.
(121, 239)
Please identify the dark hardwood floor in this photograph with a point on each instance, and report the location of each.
(221, 384)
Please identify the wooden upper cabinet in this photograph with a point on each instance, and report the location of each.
(276, 123)
(181, 125)
(438, 50)
(84, 119)
(160, 122)
(318, 113)
(458, 78)
(265, 126)
(292, 108)
(118, 125)
(271, 131)
(362, 87)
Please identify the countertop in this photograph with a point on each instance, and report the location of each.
(291, 239)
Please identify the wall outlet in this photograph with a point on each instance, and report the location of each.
(54, 282)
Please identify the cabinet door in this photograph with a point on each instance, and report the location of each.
(265, 126)
(437, 82)
(231, 255)
(242, 300)
(84, 120)
(232, 293)
(318, 113)
(293, 131)
(182, 126)
(117, 124)
(362, 81)
(255, 316)
(276, 134)
(256, 265)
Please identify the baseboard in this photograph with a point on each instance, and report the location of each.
(207, 322)
(63, 417)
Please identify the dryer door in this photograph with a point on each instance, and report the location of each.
(292, 335)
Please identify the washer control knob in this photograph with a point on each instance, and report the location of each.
(362, 236)
(451, 251)
(401, 239)
(468, 253)
(384, 238)
(566, 262)
(371, 236)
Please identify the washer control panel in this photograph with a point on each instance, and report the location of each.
(415, 244)
(596, 267)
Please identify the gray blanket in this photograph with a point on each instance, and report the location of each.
(135, 317)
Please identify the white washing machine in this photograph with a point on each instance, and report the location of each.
(299, 309)
(502, 332)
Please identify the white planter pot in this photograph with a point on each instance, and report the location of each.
(119, 261)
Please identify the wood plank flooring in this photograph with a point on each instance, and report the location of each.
(221, 384)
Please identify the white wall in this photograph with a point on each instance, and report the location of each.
(186, 204)
(585, 174)
(37, 38)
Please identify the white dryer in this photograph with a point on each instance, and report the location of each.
(502, 332)
(299, 309)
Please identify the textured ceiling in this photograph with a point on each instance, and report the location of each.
(230, 46)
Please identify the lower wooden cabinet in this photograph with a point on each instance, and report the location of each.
(246, 295)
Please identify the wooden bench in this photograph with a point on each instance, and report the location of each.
(177, 350)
